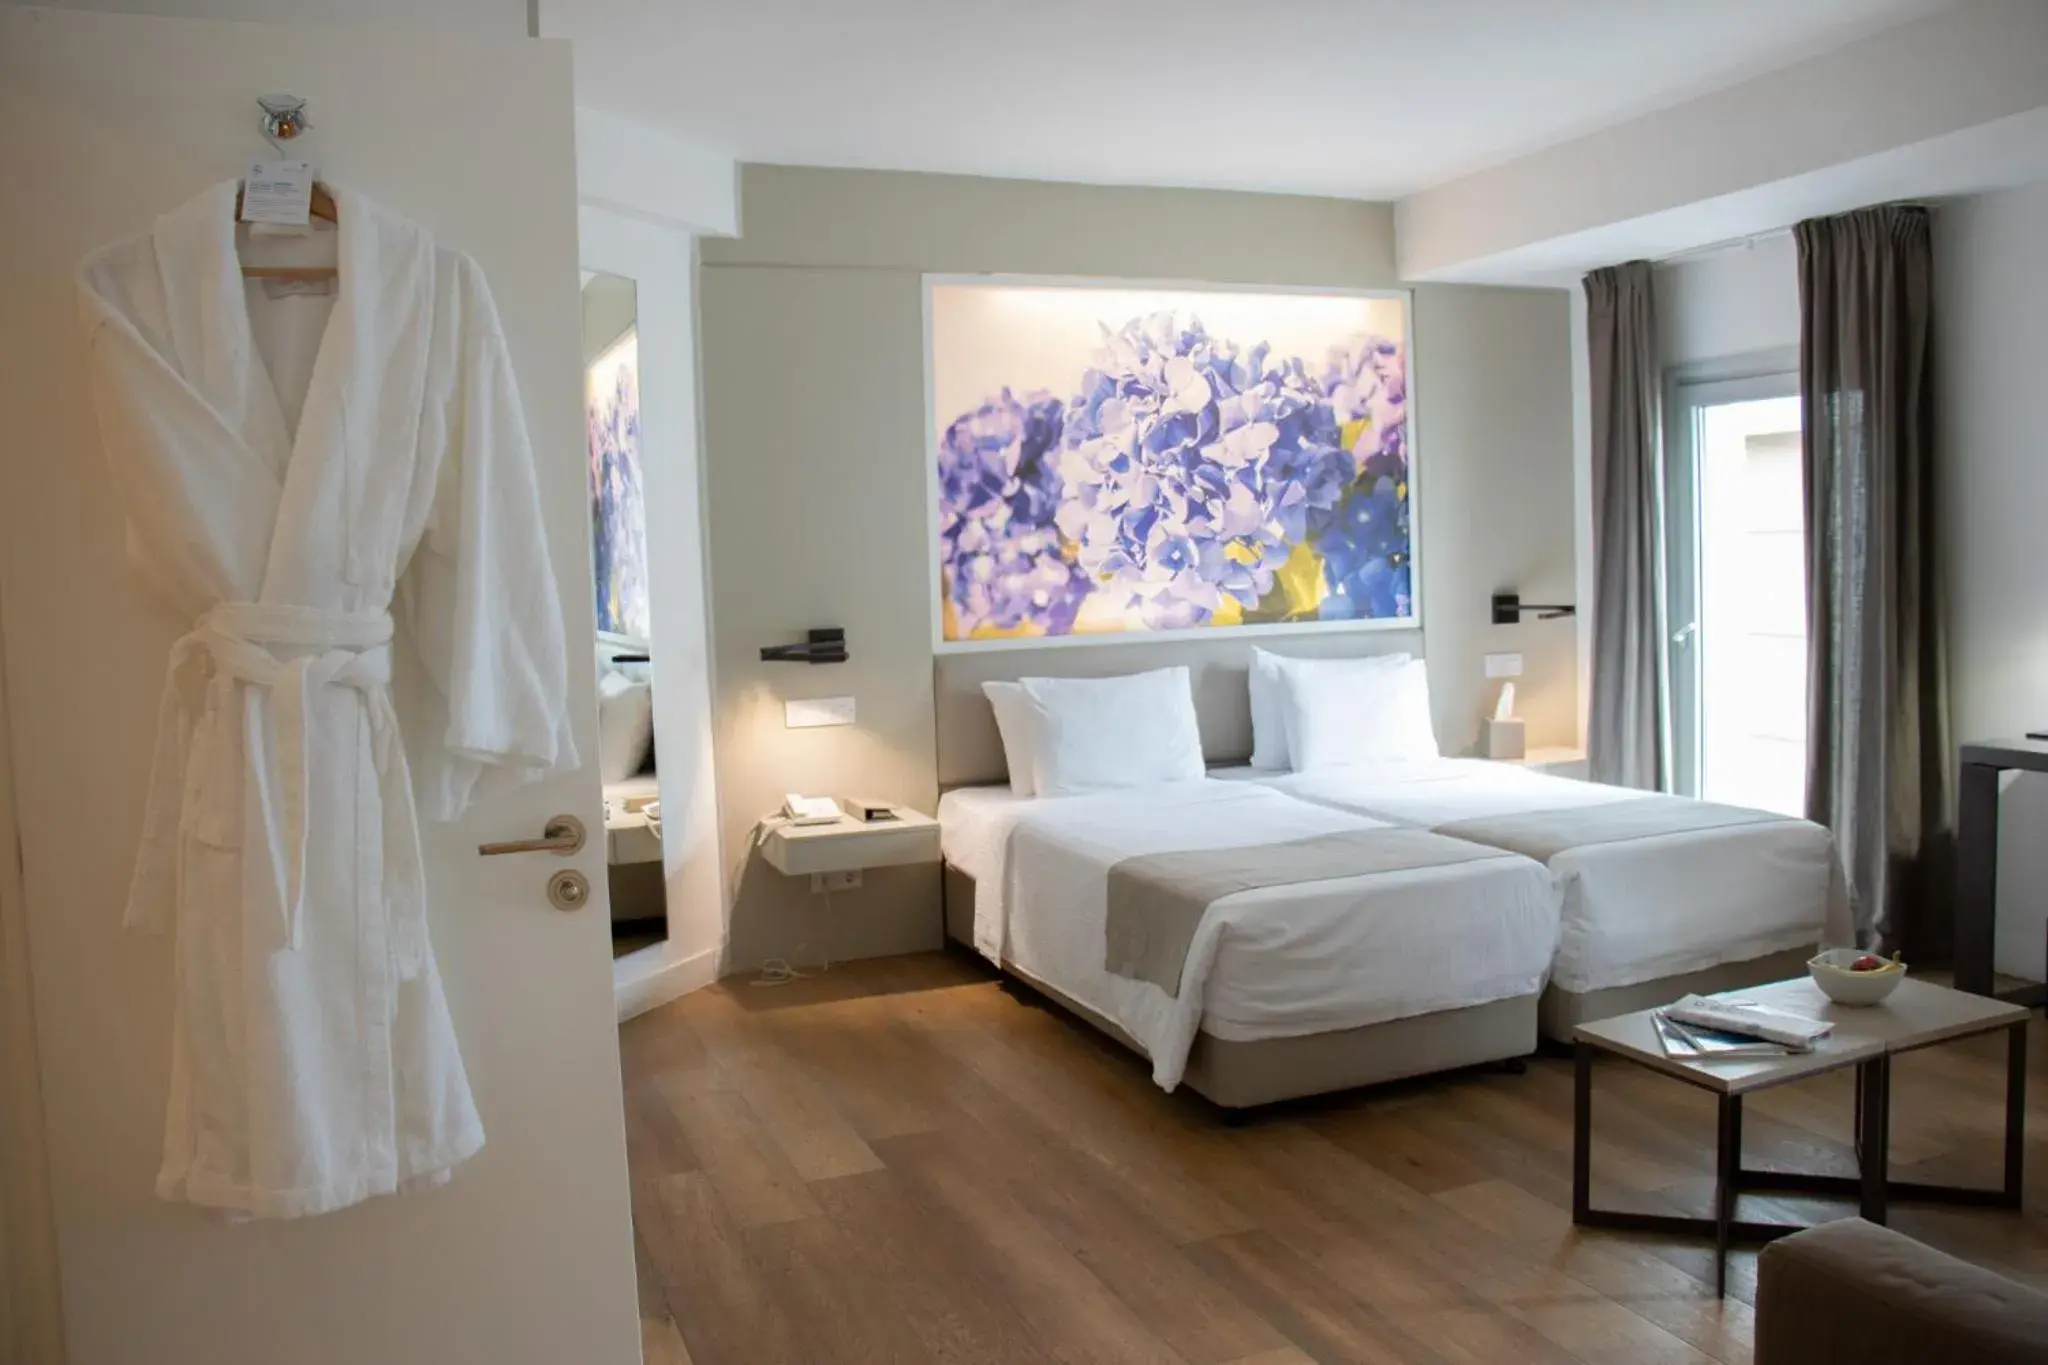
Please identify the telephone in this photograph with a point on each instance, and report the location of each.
(810, 810)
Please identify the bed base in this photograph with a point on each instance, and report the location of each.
(1563, 1011)
(1245, 1075)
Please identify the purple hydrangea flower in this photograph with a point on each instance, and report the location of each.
(1000, 554)
(1193, 470)
(1366, 563)
(1369, 382)
(1365, 554)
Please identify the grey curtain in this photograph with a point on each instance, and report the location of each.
(1625, 722)
(1878, 757)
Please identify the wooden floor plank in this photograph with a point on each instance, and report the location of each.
(941, 1274)
(1110, 1120)
(904, 1160)
(1310, 1308)
(1084, 1210)
(862, 1058)
(717, 1296)
(754, 1180)
(1070, 1311)
(662, 1344)
(833, 1295)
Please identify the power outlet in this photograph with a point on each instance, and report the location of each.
(835, 881)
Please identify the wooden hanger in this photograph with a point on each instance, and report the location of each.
(322, 208)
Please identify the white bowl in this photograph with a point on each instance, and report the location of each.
(1830, 972)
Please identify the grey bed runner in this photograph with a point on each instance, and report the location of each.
(1544, 834)
(1156, 902)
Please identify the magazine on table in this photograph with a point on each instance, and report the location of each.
(1692, 1042)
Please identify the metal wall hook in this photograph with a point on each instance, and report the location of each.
(284, 118)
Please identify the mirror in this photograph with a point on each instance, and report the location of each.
(625, 627)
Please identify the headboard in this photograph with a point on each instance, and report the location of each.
(970, 751)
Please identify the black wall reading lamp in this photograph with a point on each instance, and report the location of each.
(826, 646)
(1509, 606)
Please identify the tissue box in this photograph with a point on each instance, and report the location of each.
(1504, 739)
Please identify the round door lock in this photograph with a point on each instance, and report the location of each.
(568, 890)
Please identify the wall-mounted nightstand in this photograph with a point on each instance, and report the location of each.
(850, 844)
(629, 835)
(1560, 761)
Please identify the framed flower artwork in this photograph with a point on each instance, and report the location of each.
(1111, 461)
(618, 500)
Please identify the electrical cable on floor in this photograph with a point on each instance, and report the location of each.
(779, 971)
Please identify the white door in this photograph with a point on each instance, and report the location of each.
(526, 1256)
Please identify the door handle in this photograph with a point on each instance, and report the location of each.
(562, 836)
(1684, 634)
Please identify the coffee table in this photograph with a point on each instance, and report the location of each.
(1916, 1015)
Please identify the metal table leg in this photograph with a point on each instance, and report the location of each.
(1727, 1165)
(2015, 1113)
(1582, 1131)
(1873, 1136)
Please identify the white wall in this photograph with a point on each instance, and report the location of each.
(661, 261)
(1820, 136)
(1991, 335)
(488, 18)
(634, 171)
(1735, 302)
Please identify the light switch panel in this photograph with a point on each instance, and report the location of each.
(1503, 665)
(813, 712)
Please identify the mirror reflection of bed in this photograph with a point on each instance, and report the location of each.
(632, 799)
(625, 644)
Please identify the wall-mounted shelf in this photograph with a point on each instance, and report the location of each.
(850, 844)
(629, 836)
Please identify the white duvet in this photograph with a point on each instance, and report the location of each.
(1273, 963)
(1634, 911)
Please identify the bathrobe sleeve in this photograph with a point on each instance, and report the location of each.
(480, 598)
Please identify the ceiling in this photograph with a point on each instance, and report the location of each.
(1360, 98)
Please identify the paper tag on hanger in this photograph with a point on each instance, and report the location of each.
(278, 192)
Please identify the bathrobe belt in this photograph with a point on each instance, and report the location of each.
(193, 789)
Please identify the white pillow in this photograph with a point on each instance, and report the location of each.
(1270, 751)
(1337, 719)
(625, 725)
(1269, 715)
(1097, 734)
(1017, 723)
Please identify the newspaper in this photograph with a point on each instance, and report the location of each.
(1724, 1014)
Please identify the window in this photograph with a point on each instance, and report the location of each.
(1735, 521)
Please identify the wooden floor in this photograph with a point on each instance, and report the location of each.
(905, 1160)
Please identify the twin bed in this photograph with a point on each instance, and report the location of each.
(1263, 935)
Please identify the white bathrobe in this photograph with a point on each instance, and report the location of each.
(324, 489)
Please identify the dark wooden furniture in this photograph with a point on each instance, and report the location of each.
(1977, 861)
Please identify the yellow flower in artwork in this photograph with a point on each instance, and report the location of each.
(1230, 613)
(1243, 552)
(1023, 630)
(1301, 580)
(1352, 431)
